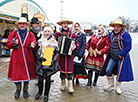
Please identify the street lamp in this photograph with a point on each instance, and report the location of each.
(61, 16)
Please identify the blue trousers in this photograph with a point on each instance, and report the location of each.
(111, 65)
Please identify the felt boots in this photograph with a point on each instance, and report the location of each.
(110, 83)
(118, 90)
(70, 86)
(63, 84)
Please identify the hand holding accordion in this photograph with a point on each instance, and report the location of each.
(73, 47)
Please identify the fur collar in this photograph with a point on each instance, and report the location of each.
(101, 35)
(47, 42)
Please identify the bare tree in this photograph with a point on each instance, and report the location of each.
(127, 22)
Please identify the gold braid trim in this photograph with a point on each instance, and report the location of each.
(92, 52)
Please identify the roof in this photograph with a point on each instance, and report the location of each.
(8, 8)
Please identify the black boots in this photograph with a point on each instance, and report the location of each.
(90, 73)
(17, 94)
(38, 95)
(25, 90)
(40, 89)
(45, 98)
(96, 78)
(94, 84)
(18, 90)
(25, 94)
(77, 81)
(47, 88)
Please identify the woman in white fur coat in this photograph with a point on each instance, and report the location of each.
(47, 40)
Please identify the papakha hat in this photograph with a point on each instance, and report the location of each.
(63, 20)
(34, 20)
(22, 20)
(117, 22)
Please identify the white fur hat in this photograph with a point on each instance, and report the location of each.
(48, 28)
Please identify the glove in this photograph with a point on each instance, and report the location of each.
(53, 61)
(79, 57)
(42, 59)
(16, 46)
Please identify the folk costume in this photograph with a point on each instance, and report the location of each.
(41, 70)
(66, 62)
(94, 62)
(22, 63)
(79, 58)
(118, 60)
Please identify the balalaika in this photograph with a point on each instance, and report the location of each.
(65, 44)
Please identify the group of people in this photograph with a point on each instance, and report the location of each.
(29, 47)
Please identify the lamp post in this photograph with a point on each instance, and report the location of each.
(61, 16)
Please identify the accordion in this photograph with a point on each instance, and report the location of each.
(65, 44)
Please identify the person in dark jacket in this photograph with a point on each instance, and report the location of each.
(36, 30)
(35, 23)
(118, 60)
(79, 58)
(45, 42)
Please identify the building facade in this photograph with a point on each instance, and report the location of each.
(10, 12)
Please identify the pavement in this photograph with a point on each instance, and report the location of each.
(81, 94)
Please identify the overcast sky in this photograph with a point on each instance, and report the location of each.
(94, 11)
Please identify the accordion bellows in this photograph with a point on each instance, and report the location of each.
(65, 44)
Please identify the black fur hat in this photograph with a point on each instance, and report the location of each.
(34, 20)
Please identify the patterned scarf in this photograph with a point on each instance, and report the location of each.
(66, 32)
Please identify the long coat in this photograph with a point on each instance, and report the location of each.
(39, 67)
(22, 63)
(102, 44)
(66, 62)
(82, 45)
(125, 69)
